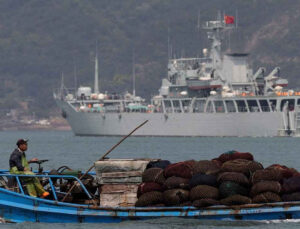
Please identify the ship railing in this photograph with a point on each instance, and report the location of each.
(6, 178)
(65, 93)
(265, 108)
(116, 110)
(214, 24)
(189, 60)
(297, 120)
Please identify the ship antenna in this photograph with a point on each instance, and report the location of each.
(62, 85)
(199, 29)
(96, 84)
(169, 50)
(236, 18)
(133, 73)
(170, 46)
(198, 22)
(219, 15)
(75, 75)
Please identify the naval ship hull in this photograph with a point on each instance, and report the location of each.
(215, 95)
(256, 124)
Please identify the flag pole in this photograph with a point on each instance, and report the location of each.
(236, 16)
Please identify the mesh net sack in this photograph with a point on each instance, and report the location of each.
(206, 167)
(239, 178)
(233, 155)
(216, 160)
(265, 186)
(203, 179)
(241, 166)
(266, 175)
(150, 199)
(204, 192)
(236, 200)
(176, 182)
(158, 164)
(181, 169)
(297, 174)
(254, 166)
(148, 187)
(295, 196)
(291, 185)
(154, 175)
(229, 188)
(175, 197)
(205, 203)
(266, 197)
(285, 171)
(294, 171)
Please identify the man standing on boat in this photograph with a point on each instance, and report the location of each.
(19, 165)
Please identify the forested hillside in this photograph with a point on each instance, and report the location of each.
(41, 39)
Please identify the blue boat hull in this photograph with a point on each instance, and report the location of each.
(15, 207)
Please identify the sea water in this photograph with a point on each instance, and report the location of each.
(63, 148)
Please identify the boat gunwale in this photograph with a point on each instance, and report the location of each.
(147, 209)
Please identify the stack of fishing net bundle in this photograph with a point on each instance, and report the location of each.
(150, 191)
(234, 178)
(176, 186)
(290, 182)
(266, 186)
(203, 184)
(180, 184)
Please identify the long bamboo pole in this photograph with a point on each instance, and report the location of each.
(101, 158)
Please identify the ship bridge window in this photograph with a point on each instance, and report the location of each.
(168, 106)
(273, 103)
(199, 106)
(157, 104)
(290, 103)
(210, 107)
(176, 105)
(264, 105)
(219, 106)
(230, 106)
(253, 106)
(241, 105)
(186, 105)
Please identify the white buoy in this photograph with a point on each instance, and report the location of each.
(101, 96)
(183, 93)
(226, 88)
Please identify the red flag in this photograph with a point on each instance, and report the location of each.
(229, 19)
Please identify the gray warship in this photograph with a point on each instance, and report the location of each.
(217, 94)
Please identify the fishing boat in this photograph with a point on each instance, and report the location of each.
(16, 206)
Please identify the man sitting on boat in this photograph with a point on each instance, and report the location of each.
(19, 165)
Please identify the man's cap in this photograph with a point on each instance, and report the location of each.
(22, 141)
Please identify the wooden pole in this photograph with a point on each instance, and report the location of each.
(101, 158)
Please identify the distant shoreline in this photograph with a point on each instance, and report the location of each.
(60, 128)
(52, 124)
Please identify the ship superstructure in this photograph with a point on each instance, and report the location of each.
(215, 95)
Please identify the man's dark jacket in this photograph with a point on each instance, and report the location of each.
(16, 159)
